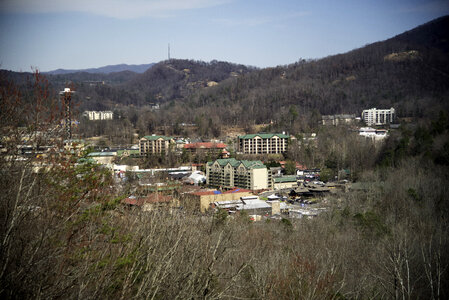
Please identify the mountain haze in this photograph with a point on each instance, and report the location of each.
(105, 70)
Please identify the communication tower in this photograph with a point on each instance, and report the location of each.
(66, 99)
(168, 51)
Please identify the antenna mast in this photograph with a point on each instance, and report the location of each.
(168, 51)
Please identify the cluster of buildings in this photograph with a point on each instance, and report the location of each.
(371, 117)
(261, 143)
(232, 184)
(158, 144)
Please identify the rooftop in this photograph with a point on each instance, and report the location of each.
(249, 164)
(157, 137)
(215, 192)
(207, 145)
(151, 198)
(252, 204)
(96, 154)
(264, 136)
(285, 179)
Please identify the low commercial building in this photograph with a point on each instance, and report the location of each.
(104, 158)
(156, 144)
(285, 182)
(263, 143)
(374, 134)
(229, 173)
(376, 116)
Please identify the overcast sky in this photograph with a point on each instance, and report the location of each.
(76, 34)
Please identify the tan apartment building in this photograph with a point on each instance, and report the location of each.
(263, 143)
(155, 144)
(230, 173)
(203, 199)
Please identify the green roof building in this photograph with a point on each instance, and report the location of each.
(263, 143)
(155, 144)
(284, 182)
(230, 173)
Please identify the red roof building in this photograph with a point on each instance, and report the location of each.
(205, 147)
(298, 165)
(153, 199)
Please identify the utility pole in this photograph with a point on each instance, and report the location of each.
(66, 99)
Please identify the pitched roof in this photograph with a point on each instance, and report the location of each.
(157, 198)
(204, 193)
(208, 145)
(156, 137)
(285, 179)
(264, 136)
(249, 164)
(237, 190)
(133, 201)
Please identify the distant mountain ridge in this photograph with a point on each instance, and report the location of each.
(409, 72)
(104, 70)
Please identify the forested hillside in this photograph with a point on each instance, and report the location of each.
(66, 233)
(409, 72)
(163, 82)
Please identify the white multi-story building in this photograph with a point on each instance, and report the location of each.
(98, 115)
(376, 116)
